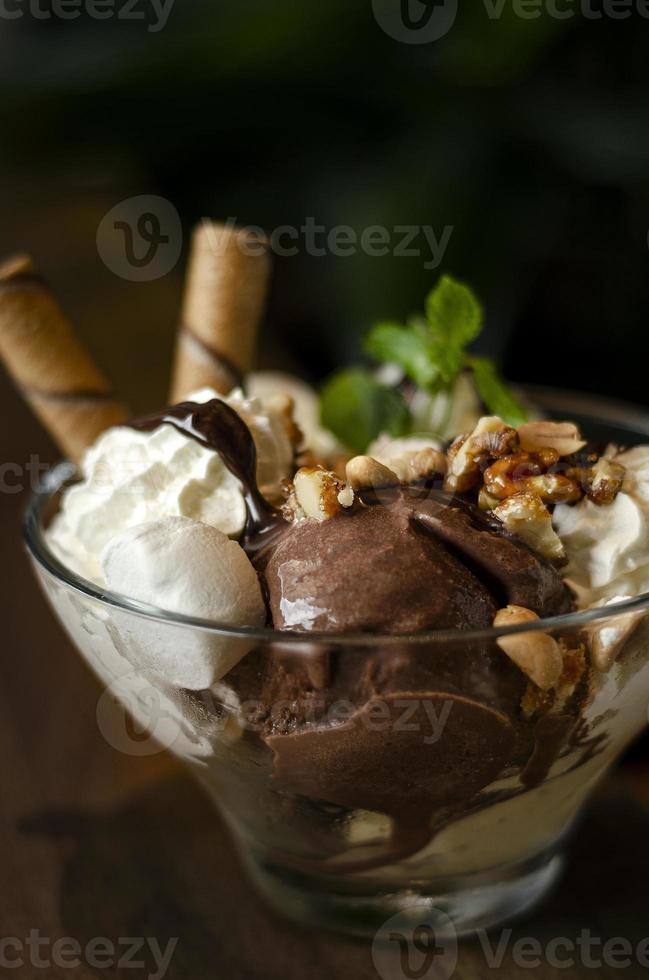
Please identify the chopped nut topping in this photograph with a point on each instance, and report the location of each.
(346, 497)
(525, 515)
(366, 473)
(317, 491)
(486, 500)
(537, 702)
(564, 437)
(537, 654)
(499, 462)
(490, 439)
(426, 464)
(523, 472)
(606, 481)
(554, 488)
(494, 442)
(292, 510)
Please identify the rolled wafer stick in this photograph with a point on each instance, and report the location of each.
(55, 374)
(227, 283)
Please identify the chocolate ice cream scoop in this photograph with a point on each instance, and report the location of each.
(376, 570)
(408, 563)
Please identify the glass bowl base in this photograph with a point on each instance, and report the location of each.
(450, 908)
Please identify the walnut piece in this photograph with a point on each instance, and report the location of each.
(606, 481)
(523, 472)
(490, 439)
(526, 516)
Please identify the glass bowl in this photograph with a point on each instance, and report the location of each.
(447, 802)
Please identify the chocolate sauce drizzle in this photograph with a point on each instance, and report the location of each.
(218, 427)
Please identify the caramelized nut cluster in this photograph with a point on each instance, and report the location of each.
(533, 472)
(493, 459)
(519, 473)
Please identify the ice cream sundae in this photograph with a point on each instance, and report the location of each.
(370, 625)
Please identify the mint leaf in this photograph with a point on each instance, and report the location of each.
(454, 313)
(495, 393)
(408, 347)
(357, 409)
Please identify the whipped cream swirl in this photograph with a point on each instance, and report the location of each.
(131, 478)
(608, 546)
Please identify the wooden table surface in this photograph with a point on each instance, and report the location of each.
(99, 844)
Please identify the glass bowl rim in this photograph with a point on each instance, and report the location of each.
(44, 557)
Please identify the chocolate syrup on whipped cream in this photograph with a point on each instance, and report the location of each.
(218, 427)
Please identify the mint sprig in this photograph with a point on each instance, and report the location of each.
(357, 408)
(432, 352)
(495, 393)
(454, 314)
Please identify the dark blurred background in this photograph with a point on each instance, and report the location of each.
(529, 138)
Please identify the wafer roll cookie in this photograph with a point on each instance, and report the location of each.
(224, 301)
(54, 373)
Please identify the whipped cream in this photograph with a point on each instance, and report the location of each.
(608, 546)
(265, 385)
(183, 566)
(131, 477)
